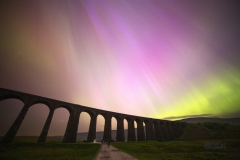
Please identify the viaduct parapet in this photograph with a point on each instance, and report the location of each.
(155, 129)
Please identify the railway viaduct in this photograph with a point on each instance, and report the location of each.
(155, 129)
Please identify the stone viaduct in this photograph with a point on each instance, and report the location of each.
(155, 129)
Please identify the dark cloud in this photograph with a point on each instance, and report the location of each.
(188, 116)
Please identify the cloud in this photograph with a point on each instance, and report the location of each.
(187, 116)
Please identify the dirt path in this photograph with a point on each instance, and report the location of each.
(111, 153)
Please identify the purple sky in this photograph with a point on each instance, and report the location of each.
(151, 58)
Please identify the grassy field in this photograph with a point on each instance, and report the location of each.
(190, 145)
(50, 150)
(181, 149)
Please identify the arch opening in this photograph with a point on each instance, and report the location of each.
(58, 124)
(114, 128)
(125, 127)
(33, 122)
(100, 127)
(144, 130)
(83, 126)
(135, 129)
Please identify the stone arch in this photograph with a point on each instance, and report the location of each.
(140, 130)
(178, 129)
(90, 112)
(100, 126)
(149, 135)
(105, 115)
(170, 131)
(135, 128)
(118, 117)
(120, 128)
(107, 127)
(183, 124)
(173, 129)
(33, 122)
(92, 126)
(131, 129)
(164, 131)
(125, 128)
(41, 101)
(67, 107)
(11, 133)
(167, 124)
(58, 121)
(114, 123)
(157, 131)
(12, 96)
(71, 124)
(84, 122)
(44, 132)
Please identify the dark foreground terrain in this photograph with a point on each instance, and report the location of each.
(210, 141)
(30, 150)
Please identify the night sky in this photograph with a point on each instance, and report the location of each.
(151, 58)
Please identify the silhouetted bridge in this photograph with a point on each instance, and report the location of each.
(155, 129)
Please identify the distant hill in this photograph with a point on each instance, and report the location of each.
(232, 121)
(99, 135)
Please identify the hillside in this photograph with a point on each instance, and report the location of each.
(210, 130)
(232, 121)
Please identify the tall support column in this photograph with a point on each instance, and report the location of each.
(120, 130)
(140, 131)
(43, 136)
(92, 129)
(153, 132)
(149, 131)
(158, 133)
(170, 132)
(175, 131)
(10, 135)
(131, 130)
(172, 128)
(71, 130)
(164, 132)
(107, 129)
(181, 127)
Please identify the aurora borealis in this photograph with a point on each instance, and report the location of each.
(151, 58)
